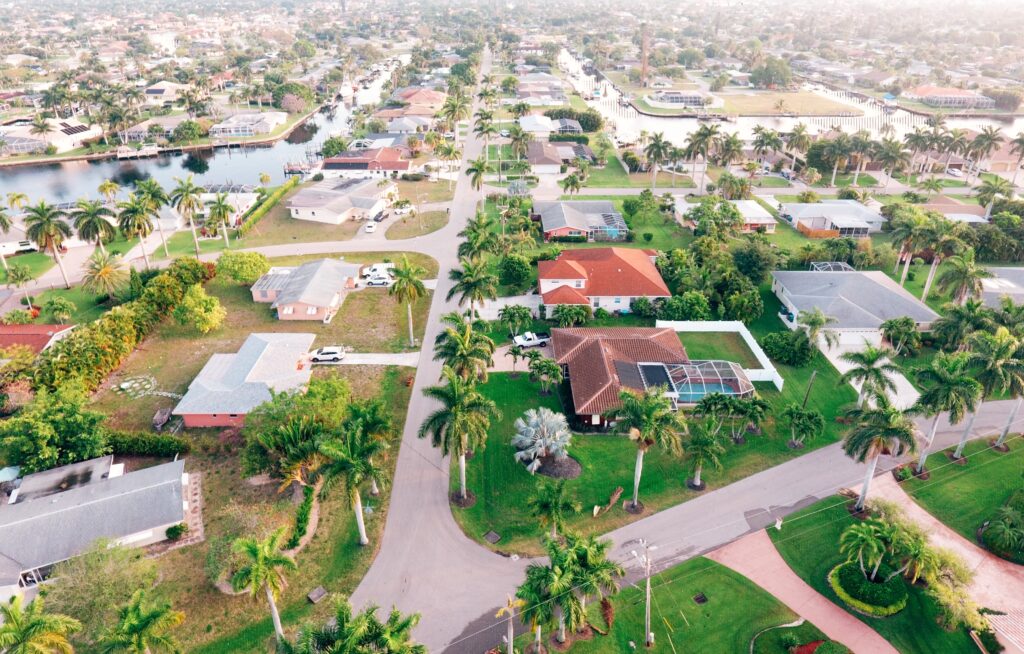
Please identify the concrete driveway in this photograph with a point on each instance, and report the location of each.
(490, 309)
(904, 397)
(503, 362)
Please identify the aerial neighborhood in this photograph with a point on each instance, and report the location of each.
(585, 326)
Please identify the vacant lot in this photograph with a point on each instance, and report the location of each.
(426, 191)
(418, 225)
(805, 103)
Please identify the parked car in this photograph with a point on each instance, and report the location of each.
(378, 281)
(504, 133)
(379, 217)
(786, 174)
(955, 172)
(371, 227)
(401, 211)
(329, 353)
(530, 339)
(378, 270)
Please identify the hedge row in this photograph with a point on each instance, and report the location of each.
(301, 518)
(582, 139)
(144, 444)
(876, 599)
(268, 204)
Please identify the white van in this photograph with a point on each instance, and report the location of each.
(17, 247)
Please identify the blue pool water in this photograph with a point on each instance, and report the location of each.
(692, 393)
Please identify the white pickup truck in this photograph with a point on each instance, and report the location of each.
(378, 270)
(530, 339)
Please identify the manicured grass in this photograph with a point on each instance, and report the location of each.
(613, 175)
(915, 178)
(425, 191)
(277, 226)
(577, 102)
(37, 262)
(786, 198)
(727, 346)
(506, 153)
(809, 543)
(963, 497)
(771, 181)
(845, 179)
(418, 225)
(86, 307)
(666, 233)
(736, 610)
(966, 199)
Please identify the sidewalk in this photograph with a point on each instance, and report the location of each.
(755, 557)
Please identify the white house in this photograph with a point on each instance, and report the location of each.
(540, 126)
(249, 124)
(164, 93)
(335, 201)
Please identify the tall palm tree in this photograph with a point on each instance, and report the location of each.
(595, 575)
(984, 144)
(351, 458)
(571, 184)
(657, 152)
(474, 283)
(154, 196)
(1017, 148)
(93, 221)
(700, 143)
(512, 605)
(798, 140)
(963, 277)
(958, 321)
(460, 424)
(650, 420)
(143, 629)
(220, 211)
(28, 630)
(5, 227)
(538, 610)
(408, 288)
(476, 170)
(558, 578)
(263, 568)
(45, 226)
(909, 228)
(104, 274)
(990, 190)
(135, 221)
(876, 429)
(109, 189)
(863, 147)
(917, 141)
(728, 150)
(872, 369)
(816, 324)
(465, 350)
(456, 108)
(394, 635)
(519, 141)
(16, 200)
(893, 157)
(552, 505)
(704, 448)
(957, 143)
(997, 360)
(949, 388)
(944, 239)
(837, 152)
(185, 197)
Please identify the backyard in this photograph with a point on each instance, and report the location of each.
(809, 543)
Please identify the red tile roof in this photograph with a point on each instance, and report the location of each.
(35, 337)
(370, 159)
(608, 272)
(590, 355)
(565, 295)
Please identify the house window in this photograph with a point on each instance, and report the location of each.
(311, 311)
(287, 311)
(579, 283)
(264, 294)
(312, 213)
(618, 300)
(232, 415)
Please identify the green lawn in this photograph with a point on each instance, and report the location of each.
(809, 543)
(506, 153)
(425, 191)
(418, 225)
(613, 175)
(37, 262)
(736, 610)
(913, 180)
(963, 497)
(666, 233)
(86, 305)
(845, 179)
(727, 346)
(771, 181)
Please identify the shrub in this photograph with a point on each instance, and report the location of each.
(569, 239)
(301, 518)
(691, 305)
(17, 317)
(880, 599)
(412, 177)
(991, 643)
(175, 532)
(514, 270)
(648, 237)
(140, 443)
(848, 194)
(791, 348)
(789, 640)
(27, 301)
(218, 554)
(243, 267)
(831, 647)
(643, 307)
(601, 314)
(583, 139)
(268, 204)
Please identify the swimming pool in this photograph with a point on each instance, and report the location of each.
(692, 393)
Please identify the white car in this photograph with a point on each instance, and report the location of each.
(378, 281)
(371, 227)
(401, 211)
(955, 172)
(530, 339)
(330, 353)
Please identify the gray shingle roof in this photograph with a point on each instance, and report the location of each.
(1005, 282)
(582, 215)
(59, 526)
(857, 300)
(238, 383)
(316, 282)
(336, 195)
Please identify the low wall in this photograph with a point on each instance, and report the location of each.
(766, 373)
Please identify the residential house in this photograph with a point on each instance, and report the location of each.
(153, 128)
(249, 124)
(677, 98)
(312, 291)
(164, 93)
(597, 220)
(859, 301)
(755, 217)
(538, 125)
(568, 126)
(544, 158)
(231, 385)
(57, 514)
(606, 278)
(335, 201)
(948, 97)
(35, 337)
(241, 198)
(409, 124)
(833, 218)
(426, 98)
(64, 134)
(378, 163)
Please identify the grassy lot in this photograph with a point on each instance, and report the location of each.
(771, 181)
(577, 102)
(966, 199)
(425, 191)
(913, 180)
(963, 497)
(736, 610)
(613, 175)
(87, 308)
(369, 320)
(506, 153)
(218, 623)
(279, 227)
(845, 179)
(727, 346)
(418, 225)
(37, 262)
(666, 233)
(765, 103)
(809, 542)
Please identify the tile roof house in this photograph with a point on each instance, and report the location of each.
(231, 385)
(313, 291)
(608, 278)
(57, 514)
(35, 337)
(335, 201)
(597, 220)
(252, 123)
(600, 362)
(374, 162)
(420, 96)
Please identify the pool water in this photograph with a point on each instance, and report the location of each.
(692, 393)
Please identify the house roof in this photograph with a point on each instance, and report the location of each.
(753, 213)
(39, 532)
(594, 358)
(1005, 282)
(542, 153)
(537, 123)
(564, 295)
(237, 383)
(318, 283)
(338, 195)
(857, 300)
(370, 159)
(927, 90)
(34, 337)
(618, 272)
(573, 214)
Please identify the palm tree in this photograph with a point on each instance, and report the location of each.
(998, 365)
(539, 609)
(104, 274)
(28, 630)
(893, 157)
(956, 142)
(263, 569)
(816, 323)
(963, 277)
(548, 371)
(657, 153)
(154, 196)
(109, 189)
(594, 573)
(5, 226)
(552, 505)
(142, 629)
(876, 429)
(862, 146)
(462, 421)
(984, 144)
(92, 220)
(465, 350)
(519, 141)
(394, 635)
(863, 541)
(700, 143)
(872, 369)
(220, 211)
(408, 288)
(837, 152)
(16, 200)
(948, 388)
(943, 238)
(1017, 148)
(797, 141)
(512, 605)
(931, 185)
(134, 220)
(909, 228)
(474, 283)
(990, 190)
(44, 226)
(558, 581)
(704, 448)
(456, 108)
(350, 458)
(959, 321)
(476, 170)
(650, 420)
(571, 184)
(186, 200)
(18, 275)
(728, 150)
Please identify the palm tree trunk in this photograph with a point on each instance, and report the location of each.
(374, 489)
(928, 445)
(145, 257)
(357, 506)
(1016, 169)
(963, 437)
(931, 277)
(561, 626)
(227, 244)
(462, 475)
(195, 236)
(874, 571)
(1009, 421)
(3, 260)
(637, 471)
(988, 209)
(99, 244)
(60, 264)
(906, 266)
(835, 169)
(696, 476)
(163, 239)
(538, 630)
(412, 338)
(274, 615)
(856, 171)
(867, 482)
(888, 178)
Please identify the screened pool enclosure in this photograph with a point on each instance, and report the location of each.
(687, 383)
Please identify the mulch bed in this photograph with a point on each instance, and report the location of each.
(696, 487)
(567, 468)
(635, 510)
(463, 503)
(1004, 448)
(961, 461)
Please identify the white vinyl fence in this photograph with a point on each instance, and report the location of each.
(766, 373)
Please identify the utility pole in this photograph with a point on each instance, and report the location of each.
(645, 561)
